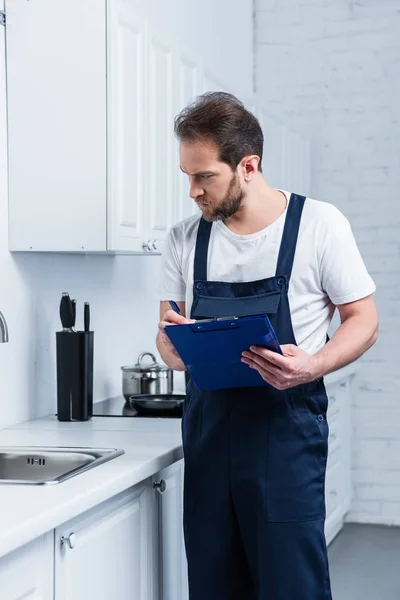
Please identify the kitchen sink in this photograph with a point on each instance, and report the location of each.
(48, 465)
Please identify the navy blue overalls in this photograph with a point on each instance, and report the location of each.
(255, 458)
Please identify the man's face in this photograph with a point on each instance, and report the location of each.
(213, 185)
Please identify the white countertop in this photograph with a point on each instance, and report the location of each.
(28, 511)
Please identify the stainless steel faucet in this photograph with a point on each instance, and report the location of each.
(3, 329)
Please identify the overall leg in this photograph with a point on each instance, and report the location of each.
(278, 475)
(217, 565)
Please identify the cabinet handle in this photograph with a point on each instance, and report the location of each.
(160, 486)
(147, 246)
(70, 540)
(154, 244)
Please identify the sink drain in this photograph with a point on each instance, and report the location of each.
(31, 460)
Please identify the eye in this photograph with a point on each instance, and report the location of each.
(204, 177)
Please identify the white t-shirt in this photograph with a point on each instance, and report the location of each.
(328, 269)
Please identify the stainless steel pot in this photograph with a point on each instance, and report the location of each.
(146, 378)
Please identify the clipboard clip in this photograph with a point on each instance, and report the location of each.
(205, 325)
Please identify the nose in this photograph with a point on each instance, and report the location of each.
(196, 191)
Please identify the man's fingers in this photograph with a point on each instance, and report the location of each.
(270, 356)
(172, 318)
(262, 362)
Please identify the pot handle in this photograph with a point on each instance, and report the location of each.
(146, 354)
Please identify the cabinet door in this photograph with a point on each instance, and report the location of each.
(188, 79)
(296, 162)
(211, 83)
(126, 47)
(273, 153)
(173, 570)
(56, 97)
(338, 473)
(28, 572)
(160, 169)
(107, 552)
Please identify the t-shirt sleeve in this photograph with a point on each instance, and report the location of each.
(344, 276)
(172, 284)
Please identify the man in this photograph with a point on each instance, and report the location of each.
(255, 458)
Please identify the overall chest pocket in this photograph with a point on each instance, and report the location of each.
(209, 305)
(297, 454)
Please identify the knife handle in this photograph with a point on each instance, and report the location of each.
(73, 304)
(66, 311)
(86, 316)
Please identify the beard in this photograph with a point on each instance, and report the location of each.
(230, 204)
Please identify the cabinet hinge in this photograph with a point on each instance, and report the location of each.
(2, 18)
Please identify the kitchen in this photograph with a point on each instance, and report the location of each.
(330, 111)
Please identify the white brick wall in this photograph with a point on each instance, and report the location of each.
(331, 70)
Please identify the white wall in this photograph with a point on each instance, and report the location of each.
(122, 290)
(331, 70)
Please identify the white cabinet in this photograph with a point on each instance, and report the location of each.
(338, 473)
(160, 136)
(57, 116)
(27, 573)
(188, 77)
(93, 162)
(109, 551)
(91, 152)
(296, 162)
(126, 96)
(286, 155)
(211, 83)
(173, 567)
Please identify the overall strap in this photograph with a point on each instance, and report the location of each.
(201, 252)
(289, 237)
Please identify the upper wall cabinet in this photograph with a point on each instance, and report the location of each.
(90, 119)
(286, 155)
(57, 127)
(126, 134)
(188, 78)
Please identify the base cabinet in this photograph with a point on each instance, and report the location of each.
(338, 472)
(27, 573)
(131, 547)
(173, 566)
(108, 552)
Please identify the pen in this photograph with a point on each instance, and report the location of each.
(174, 306)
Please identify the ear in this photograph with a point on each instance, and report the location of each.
(249, 167)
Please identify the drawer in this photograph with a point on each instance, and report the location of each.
(333, 488)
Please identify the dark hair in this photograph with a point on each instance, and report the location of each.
(223, 119)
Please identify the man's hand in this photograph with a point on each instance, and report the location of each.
(165, 347)
(282, 372)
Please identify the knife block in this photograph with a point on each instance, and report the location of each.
(74, 375)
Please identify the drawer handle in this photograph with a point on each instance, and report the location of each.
(160, 486)
(70, 540)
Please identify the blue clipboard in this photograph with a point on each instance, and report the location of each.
(211, 349)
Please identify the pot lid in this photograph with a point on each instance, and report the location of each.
(146, 366)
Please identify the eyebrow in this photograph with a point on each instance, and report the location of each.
(199, 172)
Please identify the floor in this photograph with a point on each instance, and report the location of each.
(365, 563)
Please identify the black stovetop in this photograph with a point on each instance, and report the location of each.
(119, 407)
